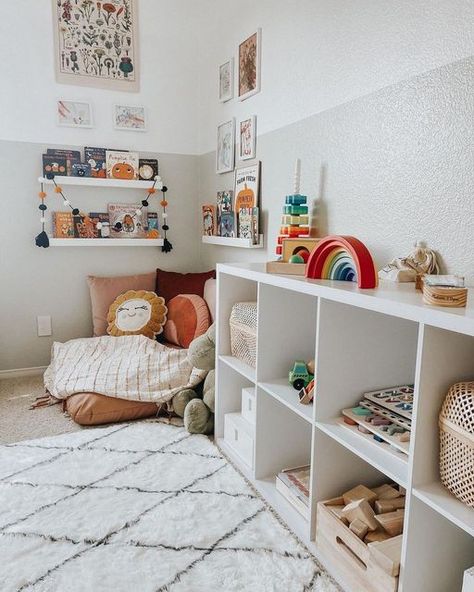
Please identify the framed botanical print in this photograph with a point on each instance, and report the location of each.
(249, 65)
(226, 81)
(247, 138)
(96, 43)
(225, 153)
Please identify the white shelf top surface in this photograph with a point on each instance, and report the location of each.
(288, 396)
(400, 300)
(96, 182)
(241, 367)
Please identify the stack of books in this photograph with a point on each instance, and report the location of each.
(293, 484)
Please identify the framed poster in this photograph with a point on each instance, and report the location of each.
(247, 186)
(96, 43)
(247, 138)
(249, 65)
(226, 81)
(130, 118)
(74, 113)
(225, 153)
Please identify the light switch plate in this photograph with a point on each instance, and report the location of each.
(44, 326)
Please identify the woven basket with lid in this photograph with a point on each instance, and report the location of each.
(243, 332)
(456, 431)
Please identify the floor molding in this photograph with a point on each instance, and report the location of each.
(20, 372)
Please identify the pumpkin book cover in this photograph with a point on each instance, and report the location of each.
(246, 192)
(63, 225)
(122, 165)
(132, 220)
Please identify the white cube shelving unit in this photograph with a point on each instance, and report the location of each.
(361, 340)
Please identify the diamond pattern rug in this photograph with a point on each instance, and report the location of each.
(142, 507)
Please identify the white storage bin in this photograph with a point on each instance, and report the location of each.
(238, 435)
(249, 404)
(468, 581)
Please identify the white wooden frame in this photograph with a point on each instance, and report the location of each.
(231, 166)
(129, 129)
(256, 90)
(223, 98)
(78, 102)
(253, 120)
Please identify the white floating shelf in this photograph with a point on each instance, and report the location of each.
(225, 241)
(106, 242)
(241, 367)
(288, 396)
(95, 182)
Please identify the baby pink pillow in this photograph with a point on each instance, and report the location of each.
(104, 290)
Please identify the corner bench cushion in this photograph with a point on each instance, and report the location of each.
(93, 409)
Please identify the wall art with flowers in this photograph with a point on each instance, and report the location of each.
(96, 43)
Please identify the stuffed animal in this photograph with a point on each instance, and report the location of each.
(198, 414)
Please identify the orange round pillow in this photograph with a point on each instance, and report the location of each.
(188, 318)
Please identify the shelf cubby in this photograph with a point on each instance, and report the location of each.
(288, 396)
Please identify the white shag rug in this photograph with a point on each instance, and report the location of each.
(142, 507)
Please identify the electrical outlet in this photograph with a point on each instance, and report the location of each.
(44, 326)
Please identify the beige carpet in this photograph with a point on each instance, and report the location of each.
(18, 422)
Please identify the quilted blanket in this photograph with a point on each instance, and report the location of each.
(130, 367)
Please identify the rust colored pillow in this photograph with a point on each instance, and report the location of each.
(188, 318)
(169, 283)
(104, 290)
(94, 409)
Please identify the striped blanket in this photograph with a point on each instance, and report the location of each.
(130, 367)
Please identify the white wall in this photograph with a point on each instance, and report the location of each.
(168, 80)
(321, 53)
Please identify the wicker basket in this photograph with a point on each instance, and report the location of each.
(243, 332)
(456, 431)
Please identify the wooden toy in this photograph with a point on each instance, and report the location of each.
(392, 522)
(349, 421)
(359, 528)
(337, 510)
(385, 506)
(311, 367)
(296, 259)
(387, 554)
(397, 399)
(342, 258)
(359, 492)
(386, 492)
(360, 411)
(394, 418)
(299, 376)
(306, 394)
(294, 246)
(362, 510)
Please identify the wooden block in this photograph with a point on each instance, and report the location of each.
(392, 522)
(362, 510)
(358, 493)
(334, 501)
(402, 490)
(376, 536)
(359, 528)
(389, 505)
(387, 554)
(349, 421)
(386, 492)
(337, 510)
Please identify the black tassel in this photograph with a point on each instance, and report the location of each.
(42, 240)
(167, 246)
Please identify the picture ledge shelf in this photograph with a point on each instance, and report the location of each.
(95, 182)
(106, 242)
(225, 241)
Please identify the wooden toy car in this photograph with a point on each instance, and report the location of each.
(299, 377)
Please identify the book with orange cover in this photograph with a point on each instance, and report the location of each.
(63, 225)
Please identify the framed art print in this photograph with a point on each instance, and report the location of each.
(249, 65)
(225, 154)
(226, 81)
(96, 43)
(74, 113)
(130, 118)
(247, 138)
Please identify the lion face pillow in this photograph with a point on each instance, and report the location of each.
(137, 313)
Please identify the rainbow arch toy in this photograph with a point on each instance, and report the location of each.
(343, 258)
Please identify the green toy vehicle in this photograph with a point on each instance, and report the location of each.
(299, 377)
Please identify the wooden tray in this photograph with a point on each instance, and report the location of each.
(402, 446)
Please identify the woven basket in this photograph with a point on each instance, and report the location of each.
(456, 431)
(243, 332)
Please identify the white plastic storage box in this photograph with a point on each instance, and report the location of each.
(249, 404)
(238, 435)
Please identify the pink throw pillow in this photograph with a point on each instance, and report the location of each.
(188, 318)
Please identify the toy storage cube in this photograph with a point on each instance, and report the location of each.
(249, 405)
(238, 434)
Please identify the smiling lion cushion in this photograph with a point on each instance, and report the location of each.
(137, 312)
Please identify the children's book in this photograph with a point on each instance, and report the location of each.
(245, 223)
(122, 165)
(133, 225)
(224, 205)
(54, 165)
(84, 226)
(97, 217)
(147, 168)
(152, 221)
(72, 157)
(208, 220)
(96, 158)
(227, 224)
(63, 226)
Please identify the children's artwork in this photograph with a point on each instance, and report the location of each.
(246, 192)
(247, 138)
(208, 220)
(133, 220)
(96, 158)
(122, 165)
(225, 147)
(249, 65)
(129, 118)
(74, 114)
(226, 81)
(224, 202)
(96, 43)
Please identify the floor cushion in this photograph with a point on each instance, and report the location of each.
(188, 318)
(210, 296)
(170, 284)
(104, 290)
(93, 409)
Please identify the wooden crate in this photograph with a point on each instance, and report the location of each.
(349, 554)
(286, 268)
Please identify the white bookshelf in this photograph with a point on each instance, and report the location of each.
(106, 242)
(361, 340)
(225, 241)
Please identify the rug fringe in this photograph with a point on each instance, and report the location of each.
(46, 400)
